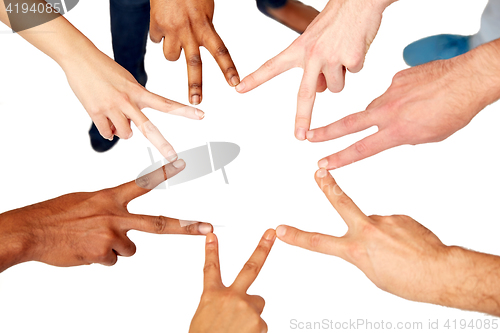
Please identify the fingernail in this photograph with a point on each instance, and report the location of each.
(281, 231)
(269, 235)
(171, 156)
(235, 80)
(323, 164)
(300, 134)
(179, 164)
(321, 173)
(111, 138)
(210, 238)
(195, 99)
(204, 228)
(240, 87)
(200, 113)
(131, 134)
(310, 135)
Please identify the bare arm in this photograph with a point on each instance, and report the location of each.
(426, 103)
(84, 228)
(109, 93)
(402, 257)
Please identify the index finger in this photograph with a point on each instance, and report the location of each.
(154, 136)
(142, 185)
(305, 100)
(253, 266)
(346, 208)
(211, 277)
(218, 50)
(271, 68)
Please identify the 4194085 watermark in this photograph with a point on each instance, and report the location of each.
(491, 324)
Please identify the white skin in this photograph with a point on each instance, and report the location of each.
(424, 104)
(402, 257)
(336, 40)
(187, 24)
(109, 93)
(427, 103)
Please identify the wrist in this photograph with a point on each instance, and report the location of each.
(380, 5)
(15, 245)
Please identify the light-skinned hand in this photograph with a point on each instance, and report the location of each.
(338, 38)
(402, 257)
(427, 103)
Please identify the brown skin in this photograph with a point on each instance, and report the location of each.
(426, 103)
(82, 228)
(294, 14)
(402, 257)
(230, 309)
(187, 24)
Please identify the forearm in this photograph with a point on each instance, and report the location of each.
(472, 282)
(57, 38)
(482, 69)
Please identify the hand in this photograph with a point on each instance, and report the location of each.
(403, 257)
(187, 24)
(427, 103)
(338, 38)
(84, 228)
(230, 309)
(112, 97)
(395, 252)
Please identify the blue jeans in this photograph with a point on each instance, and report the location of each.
(129, 32)
(263, 5)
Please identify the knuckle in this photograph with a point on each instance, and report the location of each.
(194, 60)
(344, 201)
(350, 121)
(102, 255)
(195, 86)
(209, 266)
(355, 251)
(143, 181)
(106, 133)
(131, 248)
(306, 93)
(94, 111)
(159, 224)
(241, 304)
(361, 148)
(221, 51)
(270, 65)
(262, 301)
(315, 241)
(262, 248)
(355, 61)
(192, 229)
(337, 87)
(252, 267)
(230, 69)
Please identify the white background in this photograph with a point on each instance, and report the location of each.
(450, 187)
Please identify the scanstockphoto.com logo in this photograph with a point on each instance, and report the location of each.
(26, 14)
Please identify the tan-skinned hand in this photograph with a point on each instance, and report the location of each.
(402, 257)
(230, 309)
